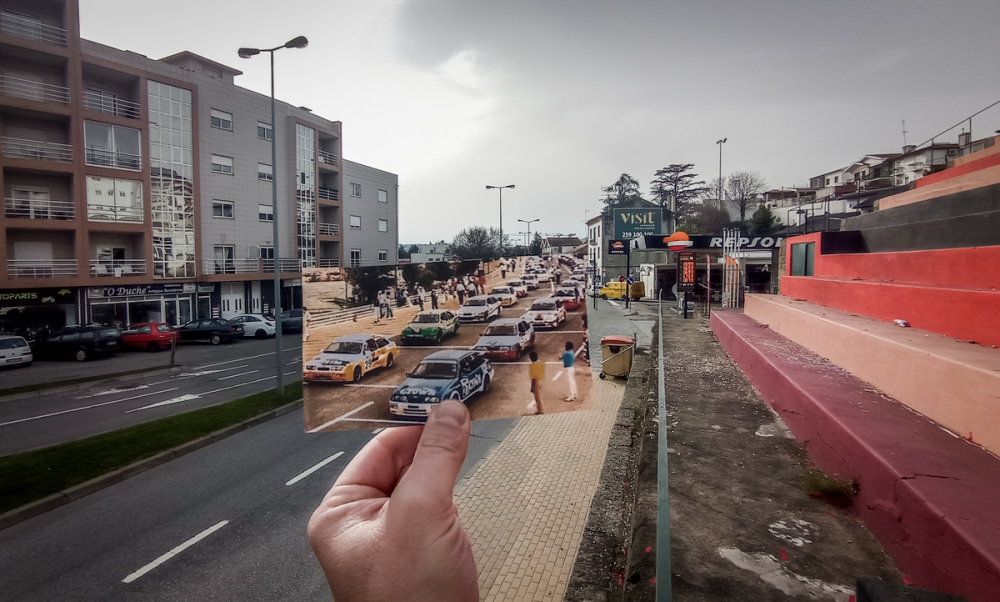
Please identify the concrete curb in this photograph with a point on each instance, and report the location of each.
(119, 375)
(106, 480)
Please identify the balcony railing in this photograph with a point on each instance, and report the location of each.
(31, 90)
(284, 265)
(329, 263)
(328, 229)
(20, 148)
(39, 209)
(40, 268)
(31, 28)
(230, 266)
(120, 160)
(117, 268)
(113, 213)
(101, 103)
(330, 194)
(326, 157)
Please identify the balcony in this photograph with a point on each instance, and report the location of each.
(20, 148)
(329, 263)
(120, 160)
(326, 157)
(39, 209)
(328, 229)
(109, 105)
(40, 268)
(117, 268)
(285, 265)
(31, 28)
(329, 194)
(113, 213)
(32, 90)
(230, 266)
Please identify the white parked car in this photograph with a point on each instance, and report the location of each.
(544, 276)
(520, 288)
(481, 308)
(506, 294)
(546, 312)
(530, 281)
(14, 351)
(255, 325)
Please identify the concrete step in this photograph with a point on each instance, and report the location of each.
(931, 498)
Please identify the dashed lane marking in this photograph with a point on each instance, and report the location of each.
(96, 405)
(238, 375)
(314, 468)
(187, 544)
(192, 396)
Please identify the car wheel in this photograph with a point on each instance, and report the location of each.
(358, 374)
(80, 355)
(215, 339)
(153, 346)
(486, 384)
(454, 395)
(389, 360)
(605, 297)
(260, 334)
(438, 337)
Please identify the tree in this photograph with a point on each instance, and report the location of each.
(764, 222)
(677, 182)
(416, 248)
(368, 281)
(536, 245)
(744, 188)
(705, 218)
(478, 242)
(625, 190)
(712, 191)
(404, 253)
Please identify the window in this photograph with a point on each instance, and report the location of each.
(383, 225)
(355, 222)
(355, 189)
(383, 255)
(383, 196)
(223, 209)
(113, 200)
(802, 259)
(355, 258)
(836, 180)
(264, 131)
(112, 146)
(224, 259)
(267, 252)
(222, 120)
(828, 181)
(265, 213)
(223, 165)
(265, 172)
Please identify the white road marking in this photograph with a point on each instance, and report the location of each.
(314, 468)
(374, 386)
(378, 430)
(434, 347)
(406, 422)
(342, 417)
(114, 390)
(191, 396)
(187, 544)
(558, 375)
(495, 364)
(96, 405)
(236, 375)
(245, 358)
(560, 331)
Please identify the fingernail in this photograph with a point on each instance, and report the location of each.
(451, 412)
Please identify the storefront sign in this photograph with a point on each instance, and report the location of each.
(35, 296)
(617, 247)
(746, 243)
(685, 272)
(206, 288)
(134, 290)
(633, 223)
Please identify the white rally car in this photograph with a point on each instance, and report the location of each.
(520, 289)
(546, 312)
(350, 357)
(506, 294)
(481, 308)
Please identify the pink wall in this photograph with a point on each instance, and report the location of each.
(960, 170)
(969, 181)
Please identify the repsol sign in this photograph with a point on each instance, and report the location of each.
(701, 243)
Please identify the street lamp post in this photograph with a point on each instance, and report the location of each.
(720, 143)
(500, 188)
(529, 222)
(245, 53)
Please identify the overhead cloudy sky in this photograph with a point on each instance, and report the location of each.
(560, 97)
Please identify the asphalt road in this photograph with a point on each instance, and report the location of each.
(330, 406)
(210, 375)
(234, 514)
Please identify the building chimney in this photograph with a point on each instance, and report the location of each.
(964, 139)
(909, 148)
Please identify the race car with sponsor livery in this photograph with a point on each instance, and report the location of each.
(481, 308)
(430, 326)
(530, 281)
(506, 294)
(546, 312)
(520, 288)
(569, 296)
(350, 357)
(448, 374)
(506, 338)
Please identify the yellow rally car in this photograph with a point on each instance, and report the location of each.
(350, 357)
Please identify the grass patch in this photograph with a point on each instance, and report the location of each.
(837, 492)
(34, 475)
(75, 381)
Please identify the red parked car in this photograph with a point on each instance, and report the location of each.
(150, 335)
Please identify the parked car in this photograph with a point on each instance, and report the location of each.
(256, 325)
(291, 320)
(530, 281)
(213, 330)
(430, 326)
(520, 288)
(80, 343)
(506, 338)
(506, 294)
(569, 296)
(350, 357)
(152, 336)
(449, 374)
(616, 290)
(546, 312)
(15, 351)
(481, 308)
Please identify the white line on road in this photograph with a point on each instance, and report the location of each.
(435, 347)
(187, 544)
(342, 417)
(245, 358)
(191, 396)
(236, 375)
(560, 331)
(315, 468)
(378, 430)
(374, 386)
(380, 421)
(96, 405)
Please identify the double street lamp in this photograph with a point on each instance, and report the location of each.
(245, 53)
(529, 222)
(500, 188)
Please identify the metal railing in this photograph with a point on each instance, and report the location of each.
(326, 157)
(32, 90)
(329, 263)
(94, 101)
(23, 26)
(230, 266)
(117, 268)
(285, 265)
(328, 229)
(113, 213)
(39, 209)
(330, 194)
(105, 158)
(40, 268)
(20, 148)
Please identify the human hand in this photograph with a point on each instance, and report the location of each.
(389, 527)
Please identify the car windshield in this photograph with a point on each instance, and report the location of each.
(501, 330)
(426, 319)
(350, 347)
(515, 283)
(564, 293)
(542, 306)
(12, 343)
(435, 370)
(475, 302)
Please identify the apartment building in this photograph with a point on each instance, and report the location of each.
(139, 189)
(371, 212)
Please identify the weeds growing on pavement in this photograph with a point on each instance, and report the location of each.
(837, 492)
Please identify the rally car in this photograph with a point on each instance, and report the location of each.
(350, 357)
(569, 296)
(430, 326)
(543, 275)
(520, 288)
(546, 312)
(530, 281)
(481, 308)
(449, 374)
(506, 294)
(506, 338)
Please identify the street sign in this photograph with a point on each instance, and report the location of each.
(621, 279)
(631, 281)
(617, 247)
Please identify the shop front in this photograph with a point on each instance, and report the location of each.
(119, 306)
(35, 312)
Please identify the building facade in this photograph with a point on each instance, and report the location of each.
(371, 233)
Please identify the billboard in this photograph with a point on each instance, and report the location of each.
(633, 223)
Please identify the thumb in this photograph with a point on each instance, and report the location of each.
(443, 445)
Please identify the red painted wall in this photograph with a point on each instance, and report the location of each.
(959, 170)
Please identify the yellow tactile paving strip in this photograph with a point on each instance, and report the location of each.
(526, 504)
